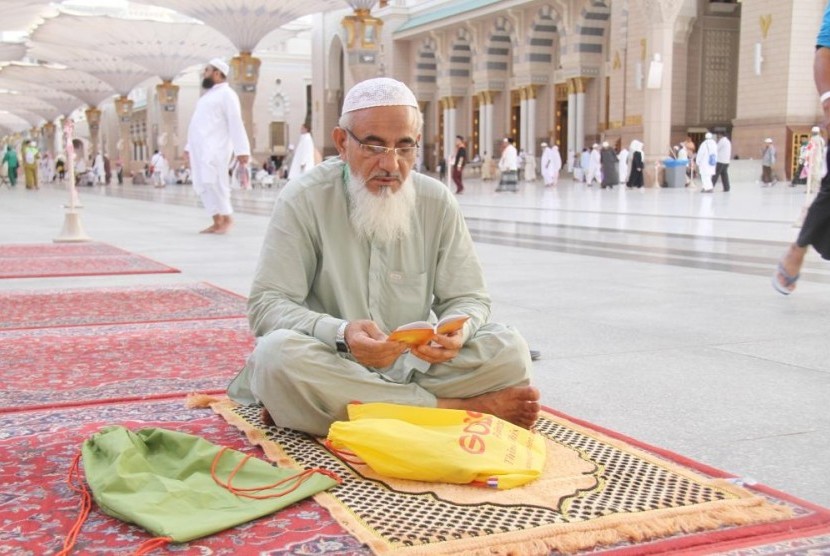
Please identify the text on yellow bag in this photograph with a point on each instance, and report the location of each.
(440, 445)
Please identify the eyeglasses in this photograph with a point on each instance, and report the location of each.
(379, 150)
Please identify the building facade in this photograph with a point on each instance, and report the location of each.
(576, 72)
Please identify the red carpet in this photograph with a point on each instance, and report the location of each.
(93, 364)
(79, 259)
(37, 509)
(74, 307)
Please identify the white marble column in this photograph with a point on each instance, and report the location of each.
(572, 119)
(530, 147)
(657, 106)
(487, 111)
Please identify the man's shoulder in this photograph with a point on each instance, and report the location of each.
(325, 175)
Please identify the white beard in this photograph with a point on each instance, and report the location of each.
(383, 217)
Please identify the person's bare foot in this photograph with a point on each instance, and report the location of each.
(266, 418)
(217, 223)
(518, 404)
(225, 225)
(790, 263)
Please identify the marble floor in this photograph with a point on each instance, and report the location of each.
(652, 308)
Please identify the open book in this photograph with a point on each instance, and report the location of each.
(421, 332)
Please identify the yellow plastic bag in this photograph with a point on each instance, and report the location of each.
(439, 445)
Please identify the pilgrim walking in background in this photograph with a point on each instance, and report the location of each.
(216, 132)
(767, 162)
(303, 159)
(722, 166)
(459, 160)
(551, 164)
(610, 166)
(635, 176)
(707, 161)
(594, 166)
(159, 165)
(509, 167)
(12, 163)
(31, 155)
(623, 168)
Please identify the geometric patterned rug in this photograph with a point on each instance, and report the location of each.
(40, 260)
(600, 492)
(52, 367)
(117, 305)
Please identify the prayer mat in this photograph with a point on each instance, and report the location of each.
(37, 507)
(599, 492)
(117, 305)
(53, 367)
(42, 260)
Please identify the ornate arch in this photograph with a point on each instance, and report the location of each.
(497, 48)
(461, 55)
(591, 27)
(426, 64)
(545, 30)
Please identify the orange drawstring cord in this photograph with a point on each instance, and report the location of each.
(345, 455)
(152, 544)
(297, 479)
(86, 505)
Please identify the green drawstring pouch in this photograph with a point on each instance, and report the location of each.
(163, 481)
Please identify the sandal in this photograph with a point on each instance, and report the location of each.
(789, 281)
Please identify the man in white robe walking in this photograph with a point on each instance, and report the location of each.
(551, 164)
(303, 159)
(216, 133)
(707, 160)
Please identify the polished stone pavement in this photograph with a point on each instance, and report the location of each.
(652, 308)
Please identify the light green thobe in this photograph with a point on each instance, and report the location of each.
(314, 272)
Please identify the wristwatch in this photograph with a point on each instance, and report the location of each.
(340, 338)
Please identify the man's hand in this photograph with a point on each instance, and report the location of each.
(448, 347)
(369, 346)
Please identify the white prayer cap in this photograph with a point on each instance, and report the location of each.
(221, 65)
(378, 91)
(595, 146)
(708, 135)
(768, 140)
(544, 144)
(815, 130)
(605, 144)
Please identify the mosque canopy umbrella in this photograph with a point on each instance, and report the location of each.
(120, 74)
(13, 102)
(13, 122)
(31, 118)
(12, 51)
(63, 102)
(77, 83)
(163, 48)
(247, 22)
(22, 15)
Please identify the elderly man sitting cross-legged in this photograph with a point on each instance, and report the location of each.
(355, 248)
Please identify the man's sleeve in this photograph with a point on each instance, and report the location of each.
(823, 39)
(459, 281)
(283, 278)
(236, 128)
